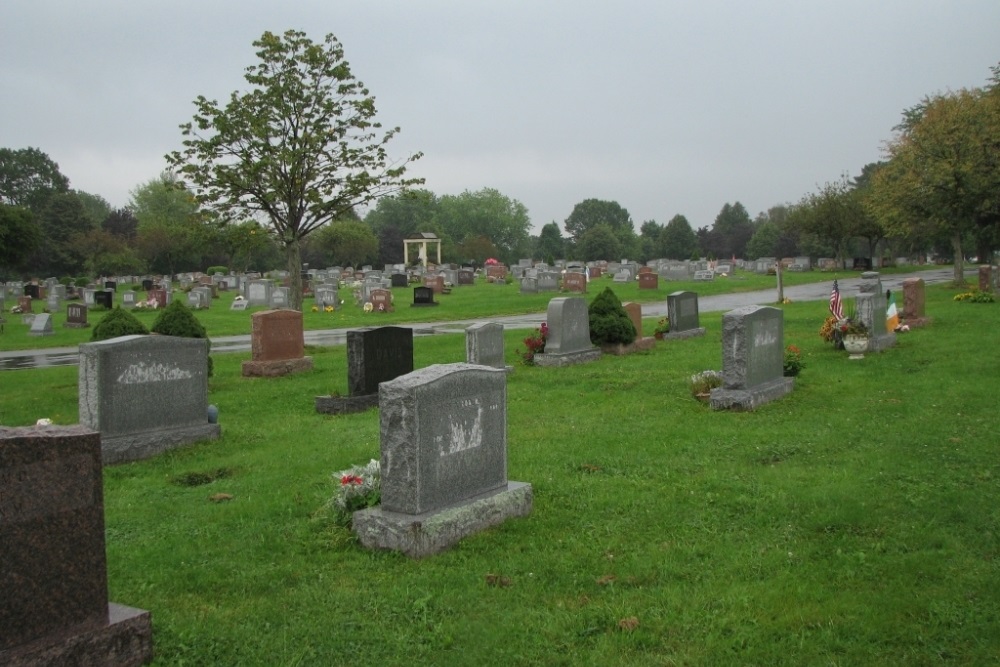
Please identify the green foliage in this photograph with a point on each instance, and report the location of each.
(975, 296)
(348, 243)
(19, 237)
(82, 281)
(609, 323)
(118, 322)
(212, 270)
(300, 147)
(28, 177)
(678, 240)
(599, 242)
(178, 320)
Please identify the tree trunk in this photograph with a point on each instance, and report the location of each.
(293, 257)
(956, 245)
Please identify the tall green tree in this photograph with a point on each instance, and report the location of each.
(28, 177)
(593, 212)
(678, 240)
(551, 244)
(300, 148)
(733, 229)
(599, 242)
(943, 172)
(20, 237)
(486, 212)
(169, 222)
(348, 242)
(63, 223)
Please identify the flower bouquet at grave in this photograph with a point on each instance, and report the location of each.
(704, 382)
(793, 363)
(535, 344)
(358, 488)
(663, 326)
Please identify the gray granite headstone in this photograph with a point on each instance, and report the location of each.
(529, 285)
(258, 292)
(548, 281)
(682, 310)
(484, 345)
(871, 311)
(752, 359)
(568, 340)
(145, 394)
(41, 325)
(54, 607)
(443, 433)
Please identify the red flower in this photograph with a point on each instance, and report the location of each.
(347, 480)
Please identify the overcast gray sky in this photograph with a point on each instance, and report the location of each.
(665, 107)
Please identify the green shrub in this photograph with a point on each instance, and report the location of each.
(66, 280)
(212, 270)
(81, 282)
(178, 320)
(117, 323)
(609, 323)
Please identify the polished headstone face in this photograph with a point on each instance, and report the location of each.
(53, 575)
(569, 326)
(913, 297)
(648, 280)
(423, 295)
(575, 282)
(76, 313)
(682, 309)
(276, 335)
(376, 355)
(752, 346)
(484, 344)
(136, 384)
(444, 436)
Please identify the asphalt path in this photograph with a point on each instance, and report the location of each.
(820, 291)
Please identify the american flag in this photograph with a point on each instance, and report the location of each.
(835, 306)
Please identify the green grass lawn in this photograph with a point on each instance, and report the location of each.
(853, 522)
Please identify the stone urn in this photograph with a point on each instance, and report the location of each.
(856, 344)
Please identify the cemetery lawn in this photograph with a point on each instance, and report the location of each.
(854, 522)
(482, 300)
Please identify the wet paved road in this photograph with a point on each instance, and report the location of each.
(69, 356)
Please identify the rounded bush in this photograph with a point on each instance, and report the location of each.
(609, 323)
(81, 282)
(212, 270)
(178, 320)
(117, 323)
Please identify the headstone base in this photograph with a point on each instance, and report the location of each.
(424, 305)
(681, 335)
(640, 345)
(76, 325)
(881, 342)
(419, 535)
(342, 405)
(568, 358)
(276, 368)
(125, 641)
(120, 449)
(750, 399)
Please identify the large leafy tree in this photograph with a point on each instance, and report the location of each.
(943, 172)
(733, 229)
(593, 212)
(551, 244)
(599, 242)
(300, 148)
(170, 225)
(19, 238)
(678, 240)
(348, 243)
(487, 212)
(63, 222)
(28, 177)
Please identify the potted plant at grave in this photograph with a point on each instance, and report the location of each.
(854, 334)
(703, 383)
(662, 328)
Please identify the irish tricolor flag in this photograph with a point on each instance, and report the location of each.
(891, 315)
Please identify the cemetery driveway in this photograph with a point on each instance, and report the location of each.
(69, 356)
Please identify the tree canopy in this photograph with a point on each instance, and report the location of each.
(300, 148)
(28, 177)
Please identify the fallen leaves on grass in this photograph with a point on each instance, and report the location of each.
(628, 624)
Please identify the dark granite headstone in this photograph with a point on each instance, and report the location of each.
(399, 280)
(76, 316)
(423, 296)
(32, 290)
(682, 309)
(104, 298)
(111, 285)
(466, 277)
(377, 355)
(54, 606)
(147, 285)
